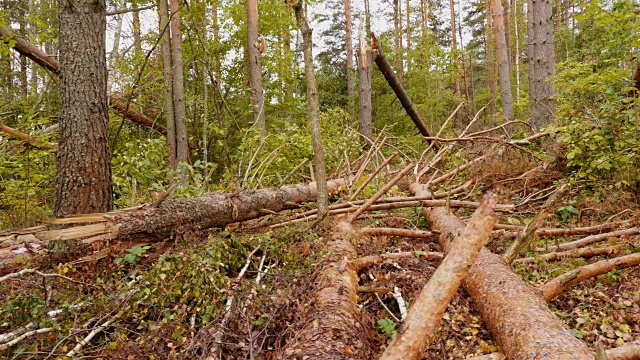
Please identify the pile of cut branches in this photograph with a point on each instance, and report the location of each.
(161, 280)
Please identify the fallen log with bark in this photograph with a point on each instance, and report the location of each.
(30, 140)
(330, 325)
(421, 324)
(561, 283)
(506, 303)
(156, 223)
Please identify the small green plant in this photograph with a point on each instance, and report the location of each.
(133, 254)
(387, 326)
(567, 212)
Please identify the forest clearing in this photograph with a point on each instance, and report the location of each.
(217, 180)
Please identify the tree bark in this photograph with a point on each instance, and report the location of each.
(349, 49)
(114, 54)
(504, 69)
(50, 63)
(365, 124)
(490, 50)
(165, 30)
(541, 61)
(387, 70)
(83, 176)
(313, 108)
(556, 286)
(423, 319)
(330, 325)
(454, 61)
(408, 32)
(507, 304)
(177, 71)
(397, 39)
(255, 73)
(137, 35)
(24, 137)
(211, 210)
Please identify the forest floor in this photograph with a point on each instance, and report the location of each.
(239, 293)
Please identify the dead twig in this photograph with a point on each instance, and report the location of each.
(380, 192)
(527, 234)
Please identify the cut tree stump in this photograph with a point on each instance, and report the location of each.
(517, 317)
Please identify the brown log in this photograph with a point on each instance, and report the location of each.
(390, 75)
(624, 352)
(26, 138)
(210, 210)
(120, 105)
(48, 62)
(366, 261)
(590, 240)
(397, 232)
(331, 325)
(507, 304)
(585, 253)
(561, 283)
(423, 319)
(586, 230)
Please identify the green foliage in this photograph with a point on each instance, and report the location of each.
(133, 254)
(567, 212)
(26, 185)
(599, 122)
(387, 327)
(265, 162)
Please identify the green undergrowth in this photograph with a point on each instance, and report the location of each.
(160, 301)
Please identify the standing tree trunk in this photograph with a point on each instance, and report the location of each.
(492, 82)
(423, 17)
(408, 11)
(503, 59)
(349, 38)
(454, 56)
(364, 91)
(165, 31)
(114, 54)
(254, 49)
(541, 61)
(397, 39)
(24, 83)
(313, 105)
(137, 38)
(179, 109)
(83, 176)
(517, 56)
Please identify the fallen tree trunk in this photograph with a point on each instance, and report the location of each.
(561, 283)
(517, 317)
(48, 62)
(211, 210)
(330, 325)
(576, 253)
(624, 352)
(421, 325)
(26, 138)
(554, 232)
(590, 240)
(389, 74)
